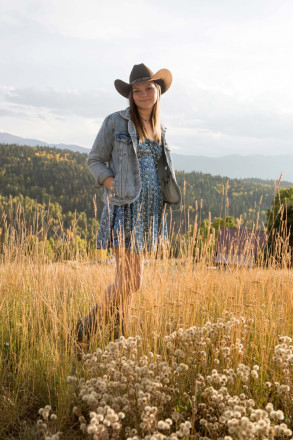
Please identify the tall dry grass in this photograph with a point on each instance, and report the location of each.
(42, 300)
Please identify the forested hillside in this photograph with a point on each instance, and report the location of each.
(60, 180)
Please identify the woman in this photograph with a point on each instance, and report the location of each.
(131, 160)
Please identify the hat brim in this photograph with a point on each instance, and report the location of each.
(163, 77)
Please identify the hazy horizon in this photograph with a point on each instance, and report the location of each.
(174, 152)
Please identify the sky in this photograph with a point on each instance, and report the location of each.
(231, 61)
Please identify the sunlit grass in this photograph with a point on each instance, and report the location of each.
(42, 299)
(41, 303)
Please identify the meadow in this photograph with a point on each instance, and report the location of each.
(207, 354)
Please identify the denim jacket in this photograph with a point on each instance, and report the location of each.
(114, 154)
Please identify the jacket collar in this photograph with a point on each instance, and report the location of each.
(125, 113)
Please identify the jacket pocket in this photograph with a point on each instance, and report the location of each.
(171, 190)
(123, 143)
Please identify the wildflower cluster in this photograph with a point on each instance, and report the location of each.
(133, 396)
(284, 353)
(283, 357)
(47, 423)
(126, 392)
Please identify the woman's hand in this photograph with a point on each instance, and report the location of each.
(109, 183)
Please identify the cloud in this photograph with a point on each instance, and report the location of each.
(199, 109)
(88, 103)
(191, 111)
(215, 120)
(211, 144)
(41, 124)
(10, 112)
(103, 20)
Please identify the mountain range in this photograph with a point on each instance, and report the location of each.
(7, 138)
(233, 166)
(239, 167)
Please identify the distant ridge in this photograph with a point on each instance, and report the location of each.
(7, 138)
(239, 167)
(232, 166)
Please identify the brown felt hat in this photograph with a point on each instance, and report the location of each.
(142, 73)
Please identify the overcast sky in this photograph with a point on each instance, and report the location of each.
(231, 62)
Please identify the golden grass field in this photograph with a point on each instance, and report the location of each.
(40, 304)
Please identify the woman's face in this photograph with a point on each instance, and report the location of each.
(145, 95)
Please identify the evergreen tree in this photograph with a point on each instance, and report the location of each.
(280, 223)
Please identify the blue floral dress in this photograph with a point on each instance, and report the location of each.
(139, 226)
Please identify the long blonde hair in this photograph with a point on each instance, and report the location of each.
(154, 118)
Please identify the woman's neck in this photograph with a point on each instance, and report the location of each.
(145, 115)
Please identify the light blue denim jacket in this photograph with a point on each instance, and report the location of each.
(114, 154)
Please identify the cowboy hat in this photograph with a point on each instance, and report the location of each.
(142, 73)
